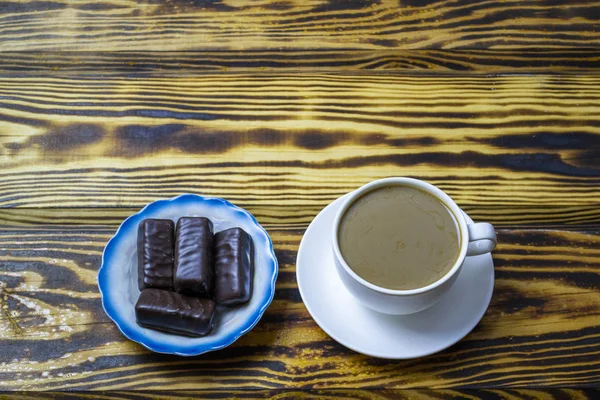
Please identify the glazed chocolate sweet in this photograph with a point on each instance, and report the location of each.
(155, 254)
(233, 267)
(194, 270)
(174, 313)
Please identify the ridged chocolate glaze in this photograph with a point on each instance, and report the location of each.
(234, 256)
(155, 254)
(194, 256)
(174, 313)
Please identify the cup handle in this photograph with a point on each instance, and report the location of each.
(482, 238)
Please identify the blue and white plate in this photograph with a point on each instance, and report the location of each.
(117, 278)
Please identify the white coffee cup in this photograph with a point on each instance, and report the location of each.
(475, 239)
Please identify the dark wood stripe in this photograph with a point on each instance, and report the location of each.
(227, 61)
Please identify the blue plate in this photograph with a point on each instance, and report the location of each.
(117, 278)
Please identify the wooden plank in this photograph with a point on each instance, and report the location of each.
(541, 329)
(313, 60)
(117, 25)
(297, 216)
(426, 394)
(514, 149)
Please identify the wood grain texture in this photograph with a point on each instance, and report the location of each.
(114, 25)
(368, 394)
(541, 329)
(314, 60)
(281, 106)
(514, 150)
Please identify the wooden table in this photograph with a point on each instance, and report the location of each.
(281, 106)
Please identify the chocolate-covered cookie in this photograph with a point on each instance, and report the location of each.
(194, 258)
(234, 267)
(174, 313)
(155, 254)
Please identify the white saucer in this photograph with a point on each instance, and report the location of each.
(380, 335)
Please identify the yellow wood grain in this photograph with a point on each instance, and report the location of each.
(541, 329)
(118, 25)
(514, 150)
(280, 394)
(281, 106)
